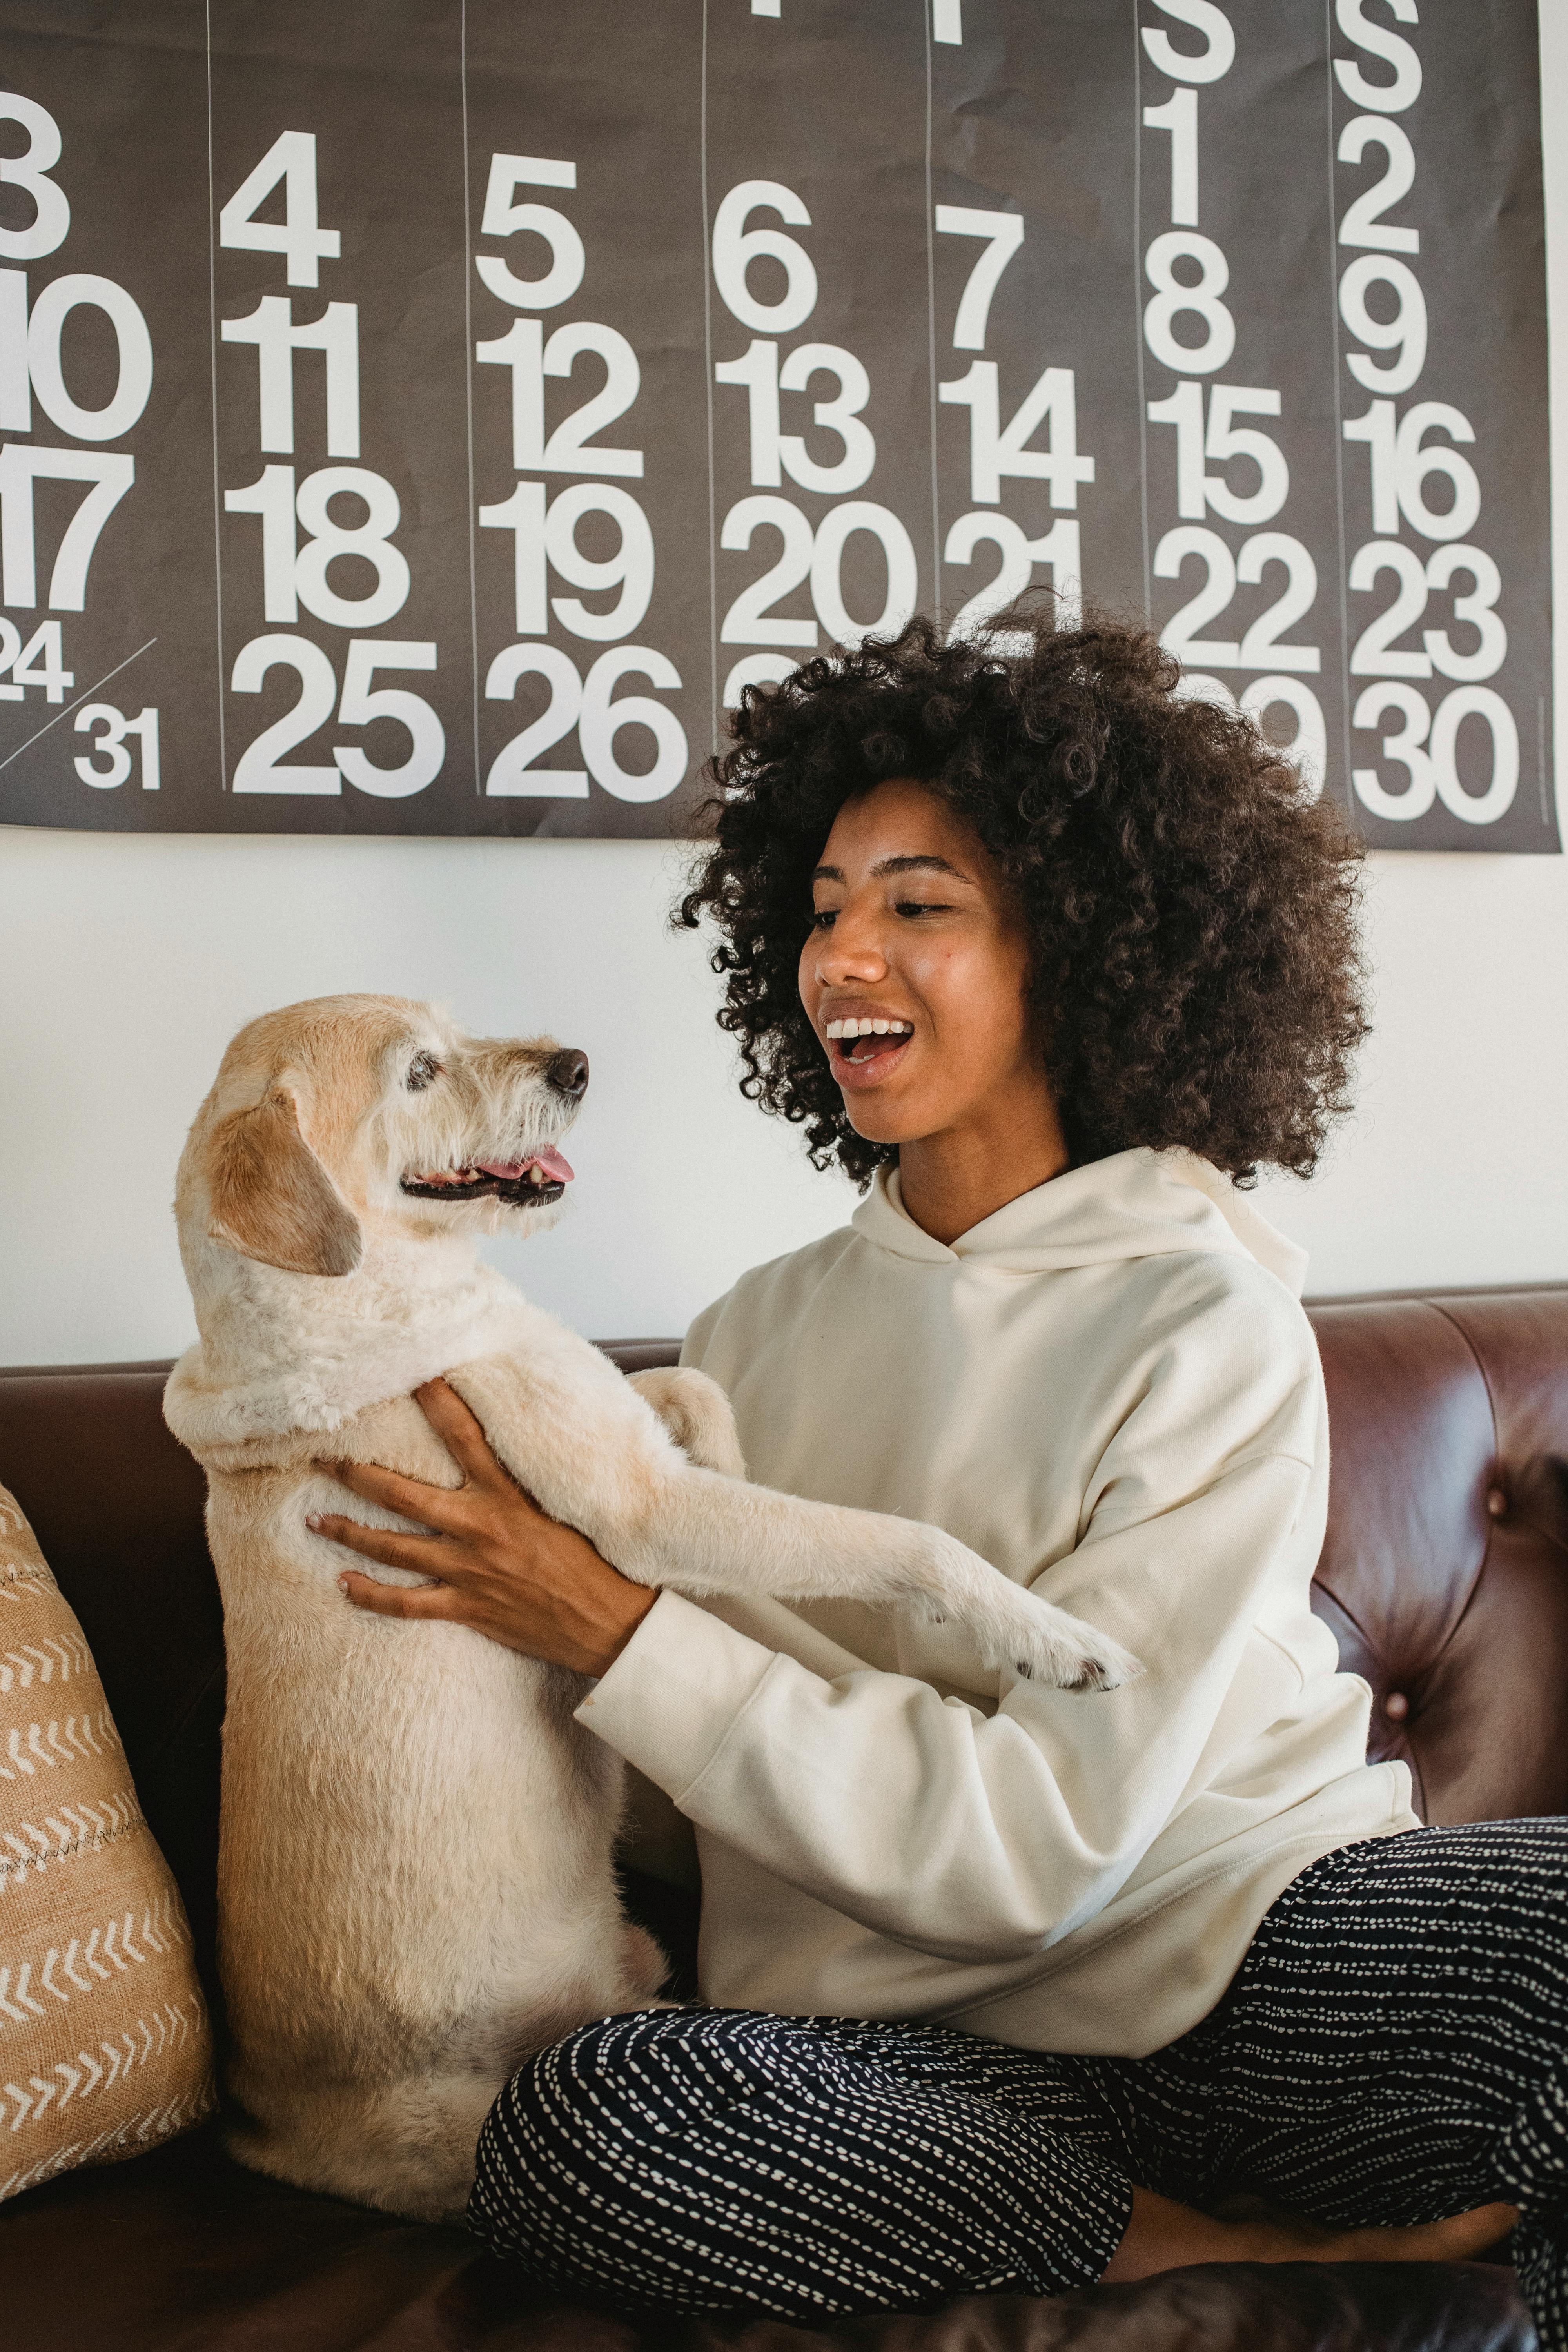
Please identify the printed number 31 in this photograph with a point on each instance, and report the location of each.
(110, 746)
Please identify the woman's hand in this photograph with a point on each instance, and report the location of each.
(503, 1567)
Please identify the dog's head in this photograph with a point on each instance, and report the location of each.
(351, 1113)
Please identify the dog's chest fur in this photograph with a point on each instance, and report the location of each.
(415, 1830)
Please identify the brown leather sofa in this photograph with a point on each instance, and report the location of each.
(1445, 1576)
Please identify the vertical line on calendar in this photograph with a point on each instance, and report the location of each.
(708, 391)
(930, 332)
(1339, 434)
(212, 348)
(468, 387)
(1138, 303)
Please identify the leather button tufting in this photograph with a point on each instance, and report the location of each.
(1497, 1503)
(1396, 1707)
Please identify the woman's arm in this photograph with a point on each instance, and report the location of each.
(967, 1837)
(964, 1837)
(976, 1837)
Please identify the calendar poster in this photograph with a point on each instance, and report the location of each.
(427, 417)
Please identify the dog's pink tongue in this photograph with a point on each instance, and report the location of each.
(555, 1166)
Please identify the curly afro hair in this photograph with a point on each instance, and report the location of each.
(1196, 968)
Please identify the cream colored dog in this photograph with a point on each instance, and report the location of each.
(415, 1884)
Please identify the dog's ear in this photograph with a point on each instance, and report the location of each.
(271, 1197)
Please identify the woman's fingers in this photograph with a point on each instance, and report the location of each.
(433, 1507)
(441, 1508)
(421, 1555)
(461, 1433)
(397, 1600)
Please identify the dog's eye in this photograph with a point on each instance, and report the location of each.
(421, 1070)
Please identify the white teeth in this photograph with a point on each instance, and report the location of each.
(867, 1027)
(536, 1174)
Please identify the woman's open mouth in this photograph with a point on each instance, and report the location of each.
(528, 1184)
(864, 1049)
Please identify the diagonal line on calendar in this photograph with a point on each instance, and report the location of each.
(71, 706)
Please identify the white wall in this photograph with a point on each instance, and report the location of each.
(126, 963)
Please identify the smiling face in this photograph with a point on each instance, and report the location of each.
(916, 971)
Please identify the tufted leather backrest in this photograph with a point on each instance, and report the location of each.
(1444, 1573)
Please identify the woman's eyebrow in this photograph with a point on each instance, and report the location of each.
(885, 865)
(928, 865)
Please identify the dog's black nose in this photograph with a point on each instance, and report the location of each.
(568, 1071)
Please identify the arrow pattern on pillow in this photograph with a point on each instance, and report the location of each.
(153, 2124)
(169, 2026)
(69, 1970)
(55, 1657)
(24, 1580)
(72, 2063)
(74, 1829)
(27, 1745)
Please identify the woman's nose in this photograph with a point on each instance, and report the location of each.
(848, 954)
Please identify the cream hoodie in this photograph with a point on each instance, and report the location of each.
(1109, 1390)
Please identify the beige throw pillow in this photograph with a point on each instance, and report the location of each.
(105, 2048)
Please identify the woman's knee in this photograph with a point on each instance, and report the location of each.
(572, 2131)
(659, 2064)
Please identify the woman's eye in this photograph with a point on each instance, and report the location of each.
(822, 917)
(920, 907)
(421, 1070)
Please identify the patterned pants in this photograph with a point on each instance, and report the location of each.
(1392, 2049)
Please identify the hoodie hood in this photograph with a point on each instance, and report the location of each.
(1137, 1203)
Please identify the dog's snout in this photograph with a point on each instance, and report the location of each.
(568, 1072)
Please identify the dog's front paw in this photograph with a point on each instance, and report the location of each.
(1106, 1665)
(1052, 1647)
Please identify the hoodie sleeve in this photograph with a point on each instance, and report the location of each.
(969, 1836)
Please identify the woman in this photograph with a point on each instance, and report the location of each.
(1015, 1988)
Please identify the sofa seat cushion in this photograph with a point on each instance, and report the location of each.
(186, 2252)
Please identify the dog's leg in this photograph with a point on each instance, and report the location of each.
(696, 1411)
(710, 1534)
(698, 1415)
(592, 1453)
